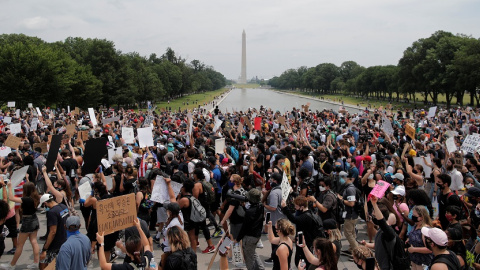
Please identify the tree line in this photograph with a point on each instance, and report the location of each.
(91, 72)
(442, 64)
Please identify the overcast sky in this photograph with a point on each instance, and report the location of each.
(281, 34)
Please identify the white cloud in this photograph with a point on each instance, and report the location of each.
(35, 23)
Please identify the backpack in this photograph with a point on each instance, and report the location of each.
(465, 213)
(359, 207)
(224, 178)
(234, 153)
(401, 258)
(197, 212)
(338, 210)
(318, 231)
(209, 192)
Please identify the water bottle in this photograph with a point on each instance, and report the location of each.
(153, 265)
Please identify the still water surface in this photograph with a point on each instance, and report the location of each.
(242, 99)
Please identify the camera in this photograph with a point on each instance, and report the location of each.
(238, 195)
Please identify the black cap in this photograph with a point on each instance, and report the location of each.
(174, 208)
(277, 177)
(279, 156)
(212, 160)
(473, 192)
(329, 224)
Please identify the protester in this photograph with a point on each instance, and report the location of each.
(436, 240)
(182, 256)
(75, 252)
(324, 257)
(282, 254)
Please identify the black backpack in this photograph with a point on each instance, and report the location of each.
(401, 258)
(318, 230)
(359, 207)
(224, 178)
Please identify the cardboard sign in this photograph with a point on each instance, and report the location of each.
(220, 146)
(145, 138)
(85, 190)
(84, 135)
(71, 129)
(470, 143)
(281, 120)
(106, 121)
(127, 135)
(11, 104)
(51, 265)
(4, 151)
(240, 128)
(42, 145)
(160, 190)
(258, 123)
(116, 214)
(95, 150)
(13, 141)
(379, 189)
(247, 121)
(53, 152)
(91, 113)
(77, 111)
(451, 147)
(410, 131)
(15, 128)
(18, 176)
(458, 158)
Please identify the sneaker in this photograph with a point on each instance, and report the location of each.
(210, 249)
(217, 233)
(230, 259)
(32, 266)
(210, 226)
(156, 240)
(259, 244)
(268, 261)
(7, 266)
(240, 265)
(11, 251)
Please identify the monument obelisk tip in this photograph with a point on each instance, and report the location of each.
(243, 74)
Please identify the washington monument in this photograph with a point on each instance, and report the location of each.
(243, 75)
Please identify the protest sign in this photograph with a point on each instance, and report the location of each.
(38, 112)
(53, 152)
(247, 121)
(51, 265)
(42, 145)
(426, 169)
(17, 113)
(387, 126)
(148, 121)
(431, 112)
(13, 141)
(470, 143)
(7, 119)
(281, 120)
(34, 124)
(95, 150)
(70, 129)
(379, 189)
(410, 131)
(228, 125)
(109, 181)
(116, 213)
(220, 146)
(258, 123)
(458, 161)
(106, 121)
(127, 135)
(4, 151)
(112, 152)
(217, 125)
(240, 128)
(91, 113)
(11, 104)
(18, 176)
(15, 128)
(77, 110)
(285, 185)
(85, 190)
(84, 135)
(451, 147)
(30, 105)
(145, 138)
(160, 190)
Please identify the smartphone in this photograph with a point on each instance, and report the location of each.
(300, 237)
(267, 217)
(223, 247)
(370, 263)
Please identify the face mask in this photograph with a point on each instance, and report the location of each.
(468, 186)
(283, 163)
(449, 217)
(245, 168)
(415, 219)
(231, 184)
(342, 181)
(386, 163)
(415, 171)
(124, 164)
(392, 163)
(478, 238)
(427, 244)
(321, 188)
(440, 186)
(47, 209)
(396, 198)
(370, 176)
(149, 166)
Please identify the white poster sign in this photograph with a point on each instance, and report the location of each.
(145, 138)
(127, 135)
(160, 190)
(387, 126)
(30, 105)
(17, 113)
(419, 160)
(4, 151)
(85, 190)
(34, 124)
(431, 112)
(11, 104)
(451, 147)
(92, 116)
(7, 119)
(112, 152)
(220, 146)
(470, 143)
(218, 123)
(18, 176)
(38, 111)
(285, 187)
(109, 181)
(15, 128)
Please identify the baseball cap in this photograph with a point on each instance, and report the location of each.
(438, 236)
(342, 173)
(367, 158)
(398, 176)
(254, 195)
(45, 198)
(473, 192)
(329, 224)
(73, 221)
(399, 190)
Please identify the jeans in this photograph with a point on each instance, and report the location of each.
(349, 231)
(252, 260)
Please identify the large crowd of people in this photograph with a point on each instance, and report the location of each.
(303, 177)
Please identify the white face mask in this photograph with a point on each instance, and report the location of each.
(321, 188)
(245, 168)
(468, 186)
(370, 176)
(149, 166)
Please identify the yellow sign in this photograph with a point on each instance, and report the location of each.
(410, 131)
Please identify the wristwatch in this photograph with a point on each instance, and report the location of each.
(102, 244)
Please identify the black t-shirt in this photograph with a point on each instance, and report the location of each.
(234, 217)
(57, 216)
(126, 263)
(444, 201)
(28, 206)
(181, 259)
(68, 165)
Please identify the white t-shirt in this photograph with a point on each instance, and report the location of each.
(174, 222)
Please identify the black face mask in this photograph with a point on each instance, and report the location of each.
(415, 219)
(440, 186)
(359, 266)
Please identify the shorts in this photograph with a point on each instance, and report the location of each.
(190, 225)
(11, 224)
(161, 214)
(235, 229)
(51, 255)
(29, 224)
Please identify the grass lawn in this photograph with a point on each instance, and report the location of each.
(201, 98)
(250, 85)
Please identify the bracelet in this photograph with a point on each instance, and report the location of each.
(102, 244)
